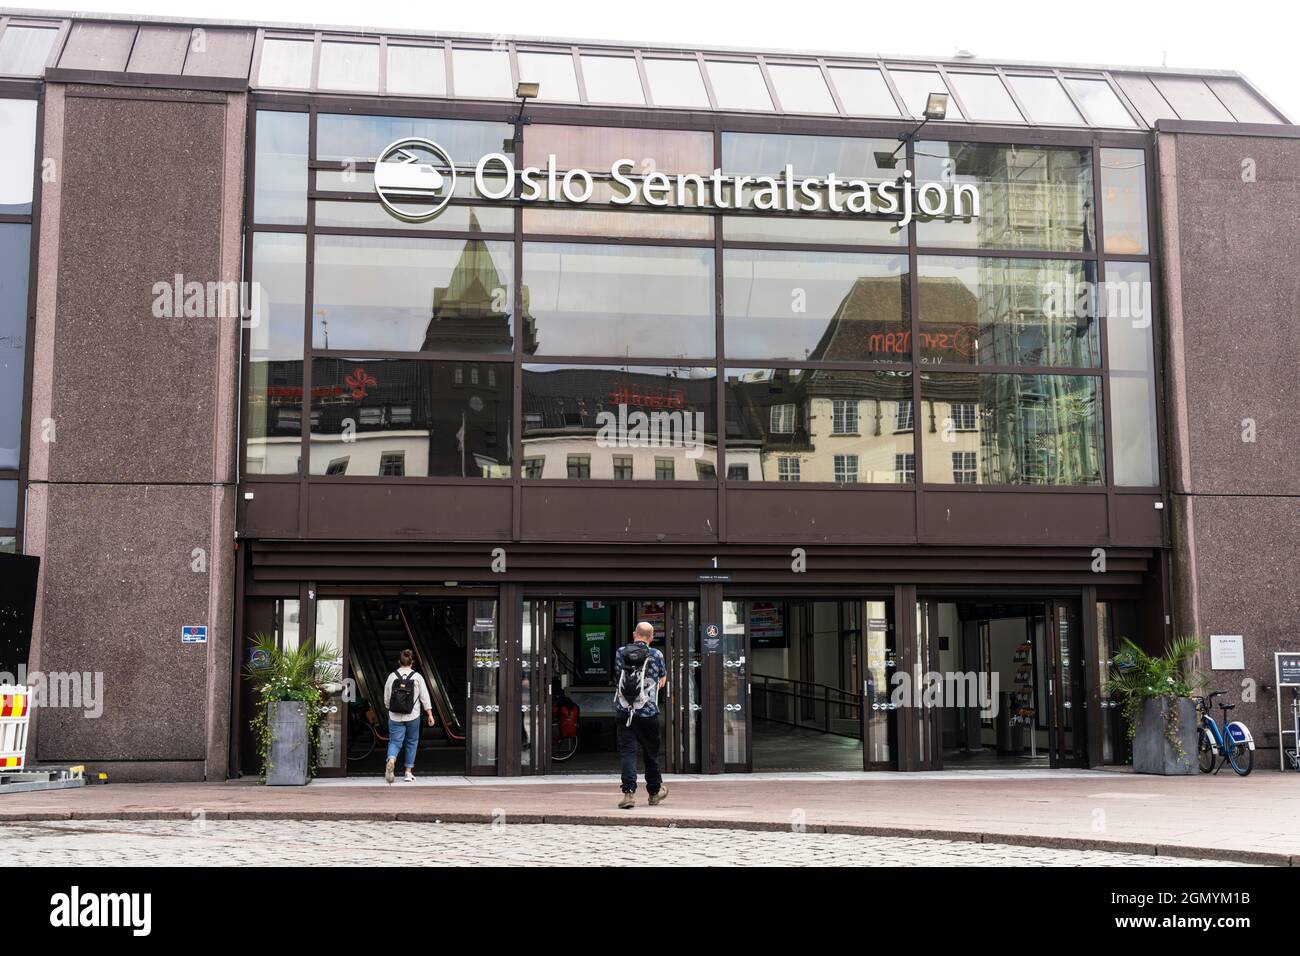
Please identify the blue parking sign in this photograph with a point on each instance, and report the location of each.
(194, 634)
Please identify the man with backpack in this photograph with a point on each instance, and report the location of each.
(405, 695)
(640, 672)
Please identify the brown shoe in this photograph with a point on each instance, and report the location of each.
(658, 798)
(626, 803)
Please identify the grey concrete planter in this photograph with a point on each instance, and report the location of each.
(287, 720)
(1152, 752)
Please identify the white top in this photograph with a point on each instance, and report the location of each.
(422, 701)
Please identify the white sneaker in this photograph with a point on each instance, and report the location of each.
(388, 769)
(409, 778)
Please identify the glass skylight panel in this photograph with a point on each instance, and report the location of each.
(612, 79)
(1192, 98)
(1238, 97)
(24, 50)
(553, 72)
(482, 73)
(739, 86)
(417, 70)
(1045, 100)
(863, 92)
(985, 98)
(349, 66)
(286, 64)
(915, 87)
(676, 83)
(1100, 103)
(801, 89)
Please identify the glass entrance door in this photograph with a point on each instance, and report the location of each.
(737, 725)
(1066, 685)
(331, 633)
(484, 687)
(567, 682)
(681, 702)
(535, 692)
(879, 657)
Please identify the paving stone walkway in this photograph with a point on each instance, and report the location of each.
(203, 842)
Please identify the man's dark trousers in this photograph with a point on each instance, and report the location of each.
(644, 731)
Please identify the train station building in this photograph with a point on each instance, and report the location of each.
(840, 370)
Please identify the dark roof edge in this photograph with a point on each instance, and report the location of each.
(623, 44)
(1217, 128)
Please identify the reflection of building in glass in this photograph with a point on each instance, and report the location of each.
(396, 417)
(1027, 313)
(619, 424)
(471, 314)
(1030, 197)
(821, 425)
(1020, 429)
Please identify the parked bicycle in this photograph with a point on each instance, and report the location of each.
(364, 732)
(564, 728)
(1233, 742)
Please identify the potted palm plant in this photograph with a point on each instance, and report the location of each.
(289, 684)
(1155, 697)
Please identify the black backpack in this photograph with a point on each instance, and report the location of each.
(402, 698)
(631, 692)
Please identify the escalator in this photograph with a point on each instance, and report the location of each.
(422, 632)
(381, 629)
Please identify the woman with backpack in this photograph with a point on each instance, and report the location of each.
(405, 695)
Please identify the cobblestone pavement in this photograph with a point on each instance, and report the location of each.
(345, 843)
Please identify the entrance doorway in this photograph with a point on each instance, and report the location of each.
(1013, 681)
(454, 642)
(806, 684)
(567, 681)
(437, 633)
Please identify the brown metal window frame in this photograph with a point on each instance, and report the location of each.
(719, 123)
(29, 89)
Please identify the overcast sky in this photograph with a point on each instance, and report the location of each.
(1255, 38)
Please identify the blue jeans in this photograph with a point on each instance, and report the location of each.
(403, 735)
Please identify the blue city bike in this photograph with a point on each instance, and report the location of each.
(1233, 742)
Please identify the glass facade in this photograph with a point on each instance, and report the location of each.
(624, 332)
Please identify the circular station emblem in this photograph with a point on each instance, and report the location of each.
(414, 178)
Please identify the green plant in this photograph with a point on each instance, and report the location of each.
(1137, 677)
(289, 674)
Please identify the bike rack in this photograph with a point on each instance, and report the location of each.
(1286, 670)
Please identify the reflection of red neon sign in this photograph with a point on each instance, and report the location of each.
(961, 341)
(295, 391)
(647, 397)
(359, 381)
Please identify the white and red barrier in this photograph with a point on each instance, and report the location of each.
(15, 711)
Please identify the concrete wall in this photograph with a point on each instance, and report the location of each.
(142, 410)
(1230, 211)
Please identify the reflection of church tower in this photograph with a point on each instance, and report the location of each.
(472, 312)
